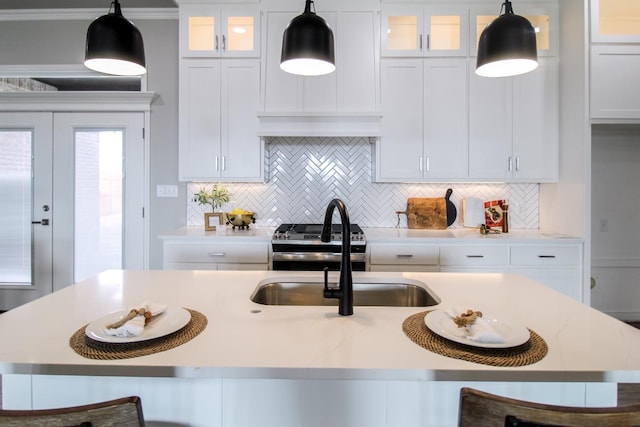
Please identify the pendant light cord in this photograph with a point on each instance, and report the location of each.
(506, 8)
(116, 8)
(307, 7)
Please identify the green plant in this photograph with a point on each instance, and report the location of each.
(218, 196)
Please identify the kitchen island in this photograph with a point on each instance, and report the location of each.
(306, 365)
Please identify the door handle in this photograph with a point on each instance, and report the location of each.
(44, 221)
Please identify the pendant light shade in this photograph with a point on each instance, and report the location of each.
(507, 46)
(114, 45)
(307, 45)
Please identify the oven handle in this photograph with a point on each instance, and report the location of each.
(315, 256)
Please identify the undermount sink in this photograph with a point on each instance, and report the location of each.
(387, 293)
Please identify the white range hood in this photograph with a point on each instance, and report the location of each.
(319, 124)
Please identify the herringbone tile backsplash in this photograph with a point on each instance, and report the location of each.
(304, 174)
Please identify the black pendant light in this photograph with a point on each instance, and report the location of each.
(114, 45)
(307, 45)
(507, 46)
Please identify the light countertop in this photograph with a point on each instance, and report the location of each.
(383, 235)
(247, 340)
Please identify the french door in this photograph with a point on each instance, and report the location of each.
(73, 191)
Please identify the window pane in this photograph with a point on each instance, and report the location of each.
(16, 196)
(98, 202)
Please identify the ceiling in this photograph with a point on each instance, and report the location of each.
(83, 4)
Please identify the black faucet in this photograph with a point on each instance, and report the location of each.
(344, 292)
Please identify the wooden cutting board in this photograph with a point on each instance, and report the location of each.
(427, 213)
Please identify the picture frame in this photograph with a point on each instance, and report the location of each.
(211, 220)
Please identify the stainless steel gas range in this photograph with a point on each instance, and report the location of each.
(298, 247)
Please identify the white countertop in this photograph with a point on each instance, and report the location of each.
(247, 340)
(383, 235)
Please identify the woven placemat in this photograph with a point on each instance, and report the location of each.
(92, 349)
(530, 352)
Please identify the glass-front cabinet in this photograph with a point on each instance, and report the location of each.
(219, 31)
(544, 20)
(411, 30)
(615, 21)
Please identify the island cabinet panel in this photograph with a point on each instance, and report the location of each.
(353, 87)
(216, 256)
(403, 257)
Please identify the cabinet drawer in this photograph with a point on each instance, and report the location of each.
(545, 255)
(243, 253)
(404, 254)
(474, 255)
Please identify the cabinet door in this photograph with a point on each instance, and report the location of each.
(242, 151)
(210, 31)
(240, 34)
(199, 27)
(199, 119)
(445, 118)
(535, 124)
(416, 31)
(544, 18)
(402, 30)
(613, 69)
(399, 152)
(283, 91)
(615, 21)
(490, 127)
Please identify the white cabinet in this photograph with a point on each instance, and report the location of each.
(210, 30)
(219, 99)
(554, 265)
(424, 120)
(414, 30)
(215, 255)
(615, 21)
(513, 126)
(403, 257)
(614, 69)
(353, 87)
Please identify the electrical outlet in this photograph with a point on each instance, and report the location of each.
(167, 191)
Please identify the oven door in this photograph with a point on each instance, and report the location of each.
(294, 257)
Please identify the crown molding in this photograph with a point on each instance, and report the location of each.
(79, 101)
(84, 14)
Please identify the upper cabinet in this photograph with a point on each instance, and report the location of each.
(615, 60)
(415, 30)
(353, 87)
(513, 126)
(615, 21)
(214, 30)
(543, 17)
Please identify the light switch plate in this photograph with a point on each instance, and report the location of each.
(167, 191)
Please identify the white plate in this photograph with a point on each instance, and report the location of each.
(514, 334)
(173, 319)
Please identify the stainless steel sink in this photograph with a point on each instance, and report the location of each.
(405, 293)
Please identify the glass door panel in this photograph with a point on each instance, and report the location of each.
(619, 17)
(201, 36)
(540, 24)
(402, 33)
(99, 179)
(17, 196)
(445, 33)
(240, 33)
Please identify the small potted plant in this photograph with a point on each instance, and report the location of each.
(216, 197)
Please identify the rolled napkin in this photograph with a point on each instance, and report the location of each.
(480, 330)
(134, 326)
